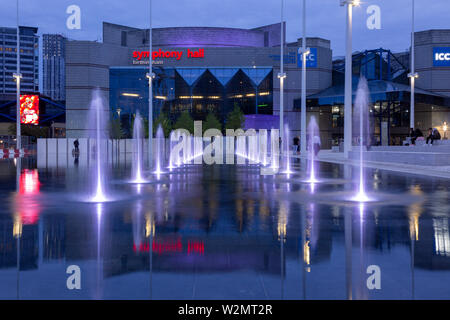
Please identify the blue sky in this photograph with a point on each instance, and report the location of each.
(325, 18)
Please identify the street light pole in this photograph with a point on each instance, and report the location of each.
(413, 75)
(282, 74)
(18, 76)
(348, 77)
(150, 76)
(304, 53)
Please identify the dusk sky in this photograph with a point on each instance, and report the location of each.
(325, 18)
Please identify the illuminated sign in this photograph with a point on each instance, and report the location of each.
(29, 109)
(441, 57)
(311, 59)
(169, 54)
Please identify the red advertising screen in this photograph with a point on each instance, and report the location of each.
(29, 109)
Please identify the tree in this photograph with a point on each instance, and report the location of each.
(115, 129)
(144, 128)
(235, 119)
(211, 122)
(185, 121)
(165, 123)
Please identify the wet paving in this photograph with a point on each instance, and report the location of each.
(222, 232)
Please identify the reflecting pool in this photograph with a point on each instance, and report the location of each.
(222, 232)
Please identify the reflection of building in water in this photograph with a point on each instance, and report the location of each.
(8, 244)
(175, 253)
(433, 248)
(54, 239)
(441, 236)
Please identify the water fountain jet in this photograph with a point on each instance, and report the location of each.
(313, 132)
(137, 152)
(362, 108)
(98, 126)
(159, 150)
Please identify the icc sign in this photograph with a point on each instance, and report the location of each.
(441, 57)
(311, 59)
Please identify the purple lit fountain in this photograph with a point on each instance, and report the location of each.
(97, 133)
(361, 117)
(286, 145)
(313, 130)
(137, 150)
(159, 150)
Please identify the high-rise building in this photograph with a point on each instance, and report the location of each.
(54, 74)
(29, 59)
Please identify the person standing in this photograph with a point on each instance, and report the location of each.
(316, 145)
(412, 136)
(296, 146)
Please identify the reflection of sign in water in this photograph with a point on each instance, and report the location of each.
(441, 57)
(170, 246)
(29, 109)
(311, 59)
(27, 206)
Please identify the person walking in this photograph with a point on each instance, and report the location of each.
(76, 144)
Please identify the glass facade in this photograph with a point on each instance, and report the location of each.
(197, 90)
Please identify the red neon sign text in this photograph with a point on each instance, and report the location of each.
(139, 55)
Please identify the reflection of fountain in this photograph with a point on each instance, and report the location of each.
(99, 135)
(159, 150)
(98, 293)
(361, 108)
(137, 152)
(138, 228)
(313, 132)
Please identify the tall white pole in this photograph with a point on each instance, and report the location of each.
(18, 76)
(413, 74)
(282, 75)
(348, 84)
(150, 93)
(303, 109)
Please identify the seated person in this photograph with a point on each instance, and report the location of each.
(433, 134)
(412, 136)
(419, 133)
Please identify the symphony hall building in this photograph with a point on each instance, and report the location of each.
(210, 70)
(199, 69)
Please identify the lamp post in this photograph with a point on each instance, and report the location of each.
(348, 77)
(150, 76)
(18, 76)
(413, 75)
(282, 74)
(304, 52)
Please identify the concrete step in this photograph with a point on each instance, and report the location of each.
(425, 158)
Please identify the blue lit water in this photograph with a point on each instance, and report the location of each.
(222, 232)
